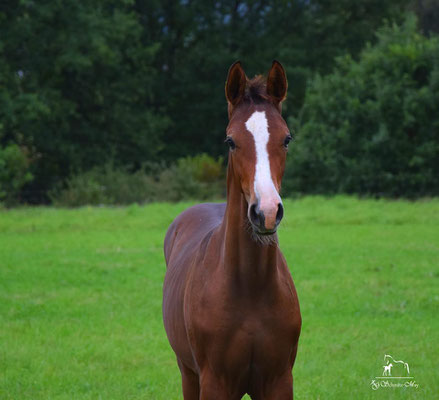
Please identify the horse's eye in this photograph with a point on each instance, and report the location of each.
(230, 143)
(287, 140)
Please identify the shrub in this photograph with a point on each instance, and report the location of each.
(372, 126)
(104, 185)
(14, 172)
(200, 177)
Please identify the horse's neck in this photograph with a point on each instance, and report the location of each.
(250, 265)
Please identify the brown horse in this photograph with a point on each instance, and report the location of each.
(230, 307)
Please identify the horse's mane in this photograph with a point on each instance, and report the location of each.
(256, 90)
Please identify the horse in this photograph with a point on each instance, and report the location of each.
(387, 369)
(388, 358)
(230, 307)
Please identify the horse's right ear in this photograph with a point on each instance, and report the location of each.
(235, 84)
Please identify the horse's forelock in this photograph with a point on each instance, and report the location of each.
(256, 89)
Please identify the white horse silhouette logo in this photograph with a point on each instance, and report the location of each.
(395, 374)
(390, 361)
(387, 369)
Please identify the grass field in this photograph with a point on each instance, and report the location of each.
(80, 299)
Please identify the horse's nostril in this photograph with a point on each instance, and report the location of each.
(256, 217)
(280, 213)
(253, 214)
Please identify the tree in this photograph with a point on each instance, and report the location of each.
(372, 127)
(76, 85)
(200, 39)
(83, 84)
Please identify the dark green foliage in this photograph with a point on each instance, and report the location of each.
(372, 126)
(428, 14)
(104, 185)
(200, 177)
(200, 39)
(76, 84)
(135, 81)
(14, 172)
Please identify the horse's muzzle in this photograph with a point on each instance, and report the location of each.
(265, 222)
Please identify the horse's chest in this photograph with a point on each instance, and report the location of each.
(237, 333)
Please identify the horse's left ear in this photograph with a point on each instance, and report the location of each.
(277, 84)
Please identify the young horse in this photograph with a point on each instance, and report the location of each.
(230, 307)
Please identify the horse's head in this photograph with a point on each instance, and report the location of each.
(258, 138)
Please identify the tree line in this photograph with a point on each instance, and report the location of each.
(139, 84)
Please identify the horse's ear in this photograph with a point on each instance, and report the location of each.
(277, 84)
(235, 84)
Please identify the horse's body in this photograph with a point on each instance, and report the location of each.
(230, 308)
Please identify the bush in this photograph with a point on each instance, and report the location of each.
(372, 126)
(200, 177)
(104, 185)
(14, 172)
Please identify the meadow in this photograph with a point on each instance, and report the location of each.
(80, 299)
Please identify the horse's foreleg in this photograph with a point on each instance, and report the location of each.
(190, 382)
(280, 389)
(212, 388)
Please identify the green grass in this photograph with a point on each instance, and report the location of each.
(80, 299)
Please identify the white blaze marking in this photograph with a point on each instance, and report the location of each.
(264, 188)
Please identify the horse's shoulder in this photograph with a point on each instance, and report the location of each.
(193, 224)
(203, 215)
(213, 209)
